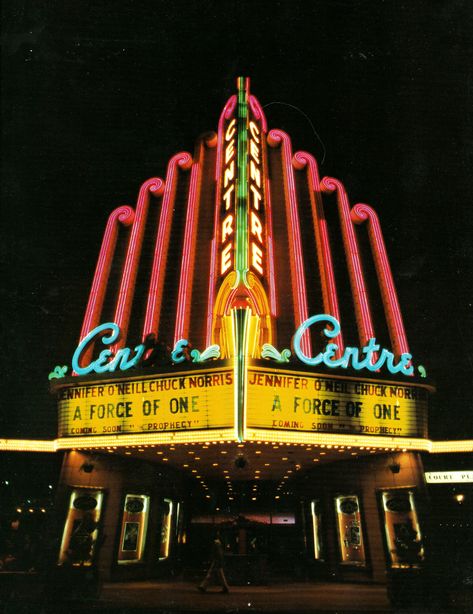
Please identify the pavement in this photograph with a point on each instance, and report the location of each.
(294, 597)
(184, 598)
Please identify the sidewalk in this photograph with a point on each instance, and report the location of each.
(294, 597)
(182, 597)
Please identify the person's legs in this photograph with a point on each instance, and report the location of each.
(206, 581)
(222, 579)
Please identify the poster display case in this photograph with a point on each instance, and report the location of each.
(133, 531)
(402, 531)
(350, 532)
(81, 528)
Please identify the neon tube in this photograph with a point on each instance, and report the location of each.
(181, 330)
(241, 256)
(359, 214)
(226, 114)
(301, 160)
(123, 215)
(271, 270)
(295, 245)
(258, 112)
(153, 186)
(360, 297)
(188, 253)
(158, 271)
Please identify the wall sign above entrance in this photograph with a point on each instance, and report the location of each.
(126, 358)
(366, 358)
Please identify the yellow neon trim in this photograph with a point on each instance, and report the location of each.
(228, 436)
(463, 445)
(28, 445)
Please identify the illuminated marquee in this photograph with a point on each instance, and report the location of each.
(177, 402)
(286, 400)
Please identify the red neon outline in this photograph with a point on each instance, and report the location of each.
(295, 246)
(360, 297)
(181, 329)
(271, 269)
(259, 116)
(301, 160)
(359, 214)
(154, 186)
(158, 271)
(258, 112)
(123, 215)
(226, 114)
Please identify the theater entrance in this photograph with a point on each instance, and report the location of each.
(258, 543)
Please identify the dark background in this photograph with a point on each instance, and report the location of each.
(97, 96)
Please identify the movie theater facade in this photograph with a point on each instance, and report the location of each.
(243, 365)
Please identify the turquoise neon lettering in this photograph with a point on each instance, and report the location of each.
(351, 356)
(177, 354)
(103, 363)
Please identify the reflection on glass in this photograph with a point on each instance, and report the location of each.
(350, 534)
(315, 510)
(133, 533)
(81, 528)
(166, 524)
(403, 535)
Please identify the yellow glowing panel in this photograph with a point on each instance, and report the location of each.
(300, 402)
(322, 439)
(27, 445)
(169, 403)
(465, 445)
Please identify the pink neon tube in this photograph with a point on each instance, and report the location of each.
(226, 114)
(123, 215)
(360, 297)
(359, 214)
(158, 270)
(259, 115)
(258, 112)
(324, 253)
(153, 186)
(272, 275)
(295, 245)
(188, 253)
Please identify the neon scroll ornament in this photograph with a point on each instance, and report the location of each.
(351, 357)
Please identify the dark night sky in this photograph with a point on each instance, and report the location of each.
(97, 96)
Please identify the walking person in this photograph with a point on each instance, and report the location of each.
(216, 567)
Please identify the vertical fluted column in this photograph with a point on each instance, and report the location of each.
(361, 213)
(153, 186)
(358, 287)
(122, 215)
(301, 160)
(158, 270)
(298, 283)
(184, 300)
